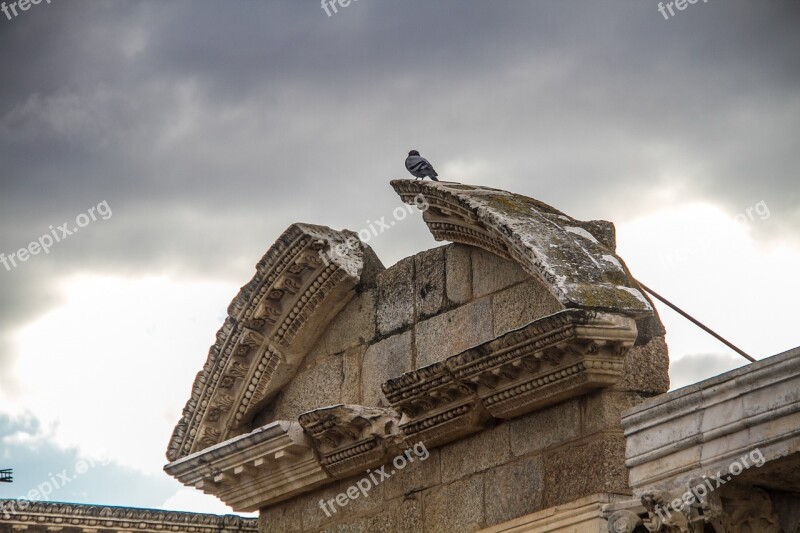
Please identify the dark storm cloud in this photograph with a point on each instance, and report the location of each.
(209, 126)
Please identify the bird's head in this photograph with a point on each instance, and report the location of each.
(413, 152)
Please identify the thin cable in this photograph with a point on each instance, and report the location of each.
(696, 322)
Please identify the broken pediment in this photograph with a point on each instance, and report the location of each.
(330, 364)
(576, 259)
(300, 284)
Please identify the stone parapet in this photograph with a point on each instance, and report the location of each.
(41, 517)
(714, 452)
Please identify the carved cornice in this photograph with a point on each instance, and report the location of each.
(68, 517)
(576, 259)
(436, 407)
(298, 287)
(352, 438)
(557, 357)
(265, 466)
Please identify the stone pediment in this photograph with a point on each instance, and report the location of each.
(328, 364)
(298, 287)
(574, 258)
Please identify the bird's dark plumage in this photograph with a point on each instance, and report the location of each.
(419, 166)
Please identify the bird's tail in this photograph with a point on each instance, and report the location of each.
(434, 178)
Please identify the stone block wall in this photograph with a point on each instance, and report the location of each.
(540, 460)
(420, 311)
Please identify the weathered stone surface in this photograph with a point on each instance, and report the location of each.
(415, 477)
(319, 385)
(429, 281)
(603, 410)
(646, 368)
(580, 268)
(314, 517)
(491, 273)
(350, 439)
(458, 266)
(541, 430)
(396, 296)
(386, 359)
(436, 408)
(453, 332)
(578, 471)
(354, 325)
(584, 515)
(407, 516)
(514, 490)
(352, 361)
(281, 518)
(521, 304)
(478, 452)
(548, 361)
(442, 515)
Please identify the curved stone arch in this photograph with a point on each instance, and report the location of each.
(575, 259)
(300, 284)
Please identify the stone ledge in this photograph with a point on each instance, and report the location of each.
(265, 466)
(584, 515)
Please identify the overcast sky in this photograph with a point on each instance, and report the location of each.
(185, 136)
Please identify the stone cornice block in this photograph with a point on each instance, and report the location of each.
(575, 259)
(265, 466)
(560, 356)
(300, 284)
(352, 438)
(436, 407)
(39, 516)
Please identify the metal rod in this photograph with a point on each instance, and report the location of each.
(696, 322)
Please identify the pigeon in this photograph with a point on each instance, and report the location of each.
(419, 166)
